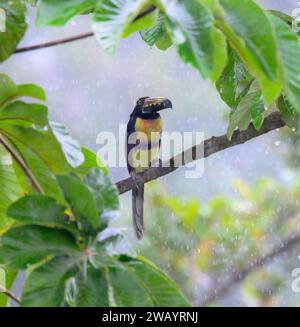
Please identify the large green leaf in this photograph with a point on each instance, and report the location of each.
(25, 114)
(44, 176)
(40, 210)
(82, 202)
(45, 285)
(255, 46)
(58, 12)
(234, 81)
(191, 25)
(41, 142)
(91, 160)
(158, 34)
(288, 113)
(26, 130)
(114, 19)
(250, 108)
(9, 91)
(105, 192)
(136, 282)
(289, 54)
(92, 289)
(25, 245)
(10, 189)
(220, 54)
(70, 147)
(15, 12)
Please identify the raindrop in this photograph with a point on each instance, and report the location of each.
(277, 143)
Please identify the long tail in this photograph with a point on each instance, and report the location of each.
(138, 210)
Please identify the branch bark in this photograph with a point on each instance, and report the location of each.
(10, 294)
(210, 146)
(222, 289)
(55, 42)
(22, 165)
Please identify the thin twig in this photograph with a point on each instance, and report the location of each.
(221, 290)
(10, 294)
(75, 37)
(55, 42)
(22, 165)
(203, 150)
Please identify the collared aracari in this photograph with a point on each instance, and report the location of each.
(143, 145)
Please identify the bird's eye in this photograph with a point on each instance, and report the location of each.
(140, 102)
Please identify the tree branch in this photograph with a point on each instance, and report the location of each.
(146, 12)
(221, 290)
(22, 165)
(10, 294)
(55, 42)
(211, 146)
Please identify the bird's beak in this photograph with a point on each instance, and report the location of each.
(156, 104)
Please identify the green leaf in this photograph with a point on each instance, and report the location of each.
(191, 26)
(104, 191)
(250, 108)
(220, 54)
(32, 90)
(91, 160)
(25, 114)
(158, 34)
(147, 21)
(288, 113)
(137, 282)
(26, 245)
(289, 54)
(283, 16)
(82, 202)
(165, 42)
(58, 12)
(92, 289)
(10, 276)
(9, 91)
(15, 12)
(70, 147)
(113, 242)
(113, 19)
(41, 142)
(10, 189)
(40, 210)
(45, 177)
(255, 46)
(46, 284)
(234, 81)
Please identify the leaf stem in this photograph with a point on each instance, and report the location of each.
(10, 294)
(22, 164)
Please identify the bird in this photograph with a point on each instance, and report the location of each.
(143, 140)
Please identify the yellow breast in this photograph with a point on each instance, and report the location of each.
(149, 126)
(152, 128)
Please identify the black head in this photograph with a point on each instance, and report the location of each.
(148, 107)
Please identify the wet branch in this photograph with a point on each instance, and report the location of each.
(203, 150)
(55, 42)
(10, 294)
(221, 290)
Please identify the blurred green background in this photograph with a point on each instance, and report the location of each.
(200, 231)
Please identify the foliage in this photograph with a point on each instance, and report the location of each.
(61, 234)
(224, 235)
(56, 203)
(203, 31)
